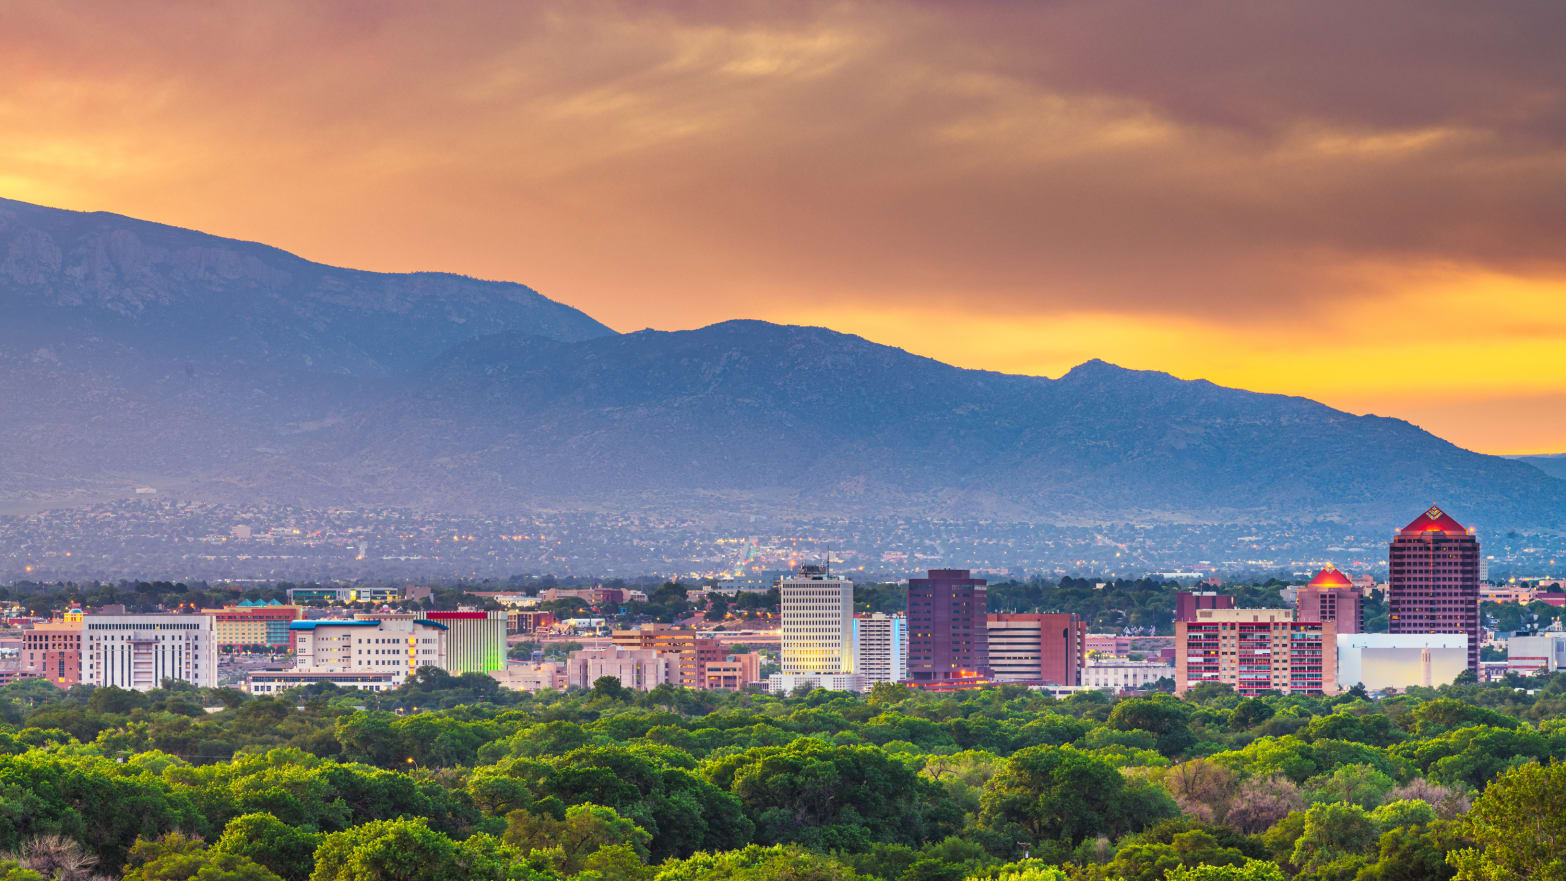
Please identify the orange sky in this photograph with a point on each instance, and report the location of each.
(1364, 206)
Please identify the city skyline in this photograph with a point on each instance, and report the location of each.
(972, 185)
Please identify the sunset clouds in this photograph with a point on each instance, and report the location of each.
(1362, 203)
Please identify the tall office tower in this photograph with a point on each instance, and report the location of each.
(1330, 596)
(947, 641)
(1255, 651)
(475, 641)
(140, 651)
(1433, 583)
(817, 636)
(881, 648)
(1188, 602)
(1047, 649)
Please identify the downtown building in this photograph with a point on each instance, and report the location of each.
(397, 647)
(1433, 580)
(881, 648)
(139, 652)
(254, 625)
(693, 652)
(53, 650)
(816, 638)
(1330, 596)
(948, 641)
(1188, 603)
(1044, 649)
(1255, 651)
(475, 641)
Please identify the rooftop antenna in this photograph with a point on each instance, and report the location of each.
(829, 561)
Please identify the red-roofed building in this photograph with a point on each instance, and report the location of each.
(1331, 596)
(1433, 582)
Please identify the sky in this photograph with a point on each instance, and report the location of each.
(1360, 203)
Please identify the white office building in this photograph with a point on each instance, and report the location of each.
(881, 648)
(140, 651)
(1121, 674)
(1543, 652)
(1380, 661)
(817, 634)
(397, 646)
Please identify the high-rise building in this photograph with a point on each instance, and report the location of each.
(475, 641)
(1187, 603)
(947, 640)
(881, 648)
(398, 646)
(53, 650)
(817, 633)
(1433, 580)
(1330, 596)
(140, 651)
(1038, 648)
(1255, 651)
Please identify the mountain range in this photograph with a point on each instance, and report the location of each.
(136, 354)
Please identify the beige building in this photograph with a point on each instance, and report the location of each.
(640, 669)
(1256, 651)
(399, 646)
(546, 676)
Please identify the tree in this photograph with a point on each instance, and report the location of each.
(1166, 718)
(1049, 793)
(1333, 832)
(756, 863)
(284, 849)
(586, 829)
(1252, 870)
(408, 850)
(178, 857)
(1261, 802)
(1518, 827)
(56, 857)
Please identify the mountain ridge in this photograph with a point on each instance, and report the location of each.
(236, 371)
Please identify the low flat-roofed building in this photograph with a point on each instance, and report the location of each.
(268, 682)
(1380, 661)
(543, 676)
(1542, 652)
(1119, 674)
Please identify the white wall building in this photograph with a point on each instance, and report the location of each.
(1543, 652)
(881, 648)
(269, 682)
(140, 651)
(1400, 660)
(1120, 674)
(817, 612)
(398, 646)
(785, 683)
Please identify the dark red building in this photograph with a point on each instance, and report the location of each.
(947, 642)
(1433, 585)
(1187, 602)
(1330, 596)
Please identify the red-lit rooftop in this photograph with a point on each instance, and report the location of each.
(1435, 520)
(1330, 577)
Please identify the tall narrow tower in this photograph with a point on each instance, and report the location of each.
(1433, 585)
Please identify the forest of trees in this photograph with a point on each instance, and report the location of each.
(454, 778)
